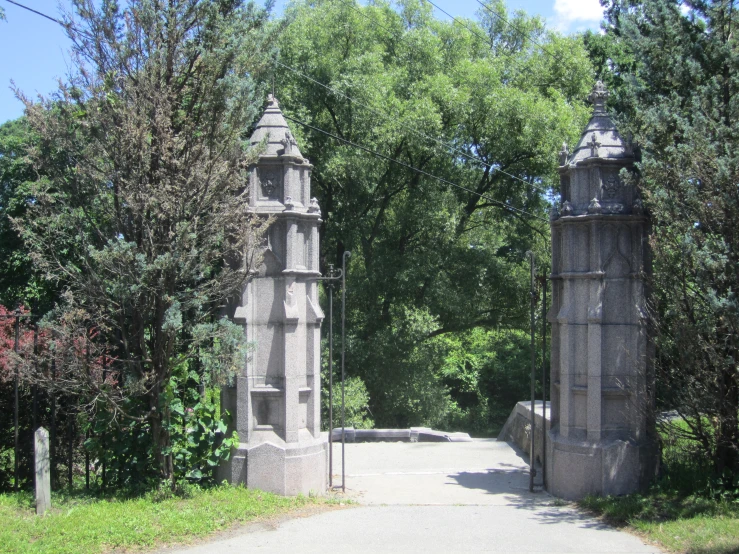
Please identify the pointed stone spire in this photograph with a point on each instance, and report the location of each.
(600, 138)
(275, 403)
(602, 441)
(273, 127)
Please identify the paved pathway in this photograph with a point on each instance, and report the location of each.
(435, 497)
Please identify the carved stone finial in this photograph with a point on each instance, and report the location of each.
(288, 142)
(314, 207)
(566, 208)
(593, 145)
(598, 97)
(564, 154)
(289, 203)
(554, 212)
(272, 101)
(594, 207)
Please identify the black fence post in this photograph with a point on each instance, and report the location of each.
(15, 402)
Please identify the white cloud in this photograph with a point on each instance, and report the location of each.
(572, 15)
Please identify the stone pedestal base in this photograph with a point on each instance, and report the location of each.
(577, 468)
(281, 468)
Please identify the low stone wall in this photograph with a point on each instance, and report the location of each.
(517, 428)
(414, 434)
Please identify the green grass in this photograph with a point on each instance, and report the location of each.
(690, 524)
(82, 523)
(688, 510)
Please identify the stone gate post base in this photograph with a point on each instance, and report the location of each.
(280, 468)
(577, 468)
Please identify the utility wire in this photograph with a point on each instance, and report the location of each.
(437, 140)
(65, 25)
(37, 12)
(486, 40)
(374, 153)
(518, 31)
(417, 170)
(353, 5)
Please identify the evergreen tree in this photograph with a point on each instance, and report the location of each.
(675, 70)
(141, 211)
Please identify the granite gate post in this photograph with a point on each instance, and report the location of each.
(275, 403)
(42, 466)
(602, 434)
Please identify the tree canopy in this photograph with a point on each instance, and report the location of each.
(139, 215)
(473, 113)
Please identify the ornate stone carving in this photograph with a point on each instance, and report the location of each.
(594, 207)
(554, 212)
(566, 208)
(563, 154)
(598, 97)
(288, 142)
(268, 186)
(593, 145)
(611, 186)
(269, 182)
(289, 204)
(314, 207)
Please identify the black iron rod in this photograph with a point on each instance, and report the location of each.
(532, 461)
(102, 438)
(70, 446)
(52, 437)
(87, 431)
(544, 380)
(344, 257)
(35, 370)
(330, 380)
(15, 405)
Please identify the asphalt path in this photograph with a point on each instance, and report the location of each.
(429, 498)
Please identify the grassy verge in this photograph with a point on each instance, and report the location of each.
(689, 524)
(89, 524)
(688, 510)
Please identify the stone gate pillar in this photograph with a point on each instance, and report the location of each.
(601, 439)
(275, 404)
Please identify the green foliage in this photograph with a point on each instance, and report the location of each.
(356, 404)
(676, 78)
(686, 509)
(82, 523)
(484, 370)
(19, 283)
(428, 259)
(197, 427)
(139, 211)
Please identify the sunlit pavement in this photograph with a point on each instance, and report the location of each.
(434, 497)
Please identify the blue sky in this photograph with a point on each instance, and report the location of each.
(34, 49)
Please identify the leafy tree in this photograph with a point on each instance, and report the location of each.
(675, 70)
(141, 213)
(18, 281)
(429, 260)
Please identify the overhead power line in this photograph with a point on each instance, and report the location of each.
(352, 4)
(493, 201)
(36, 12)
(520, 33)
(486, 40)
(437, 140)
